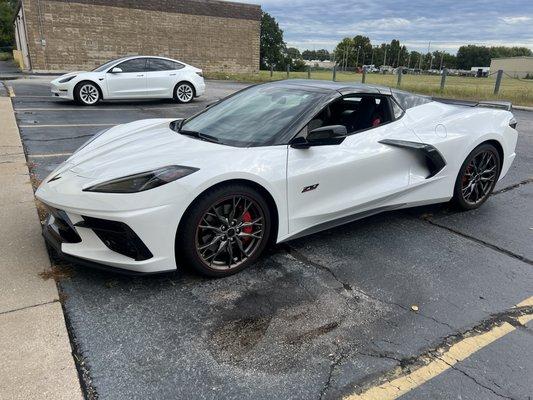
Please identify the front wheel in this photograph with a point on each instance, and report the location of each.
(225, 231)
(86, 93)
(477, 177)
(184, 92)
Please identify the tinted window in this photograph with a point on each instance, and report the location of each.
(254, 117)
(135, 65)
(108, 64)
(408, 100)
(158, 64)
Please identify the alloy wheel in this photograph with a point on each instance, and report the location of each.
(184, 93)
(230, 232)
(479, 177)
(89, 94)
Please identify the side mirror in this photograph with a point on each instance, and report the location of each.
(323, 136)
(116, 70)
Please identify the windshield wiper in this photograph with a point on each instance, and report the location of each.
(199, 135)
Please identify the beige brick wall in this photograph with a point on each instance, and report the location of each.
(82, 36)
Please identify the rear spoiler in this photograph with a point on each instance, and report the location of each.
(502, 105)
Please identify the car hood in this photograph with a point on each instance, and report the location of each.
(138, 147)
(75, 73)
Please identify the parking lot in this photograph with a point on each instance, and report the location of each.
(324, 316)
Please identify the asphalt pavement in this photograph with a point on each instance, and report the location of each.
(320, 317)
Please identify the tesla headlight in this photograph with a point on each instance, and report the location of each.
(67, 79)
(143, 181)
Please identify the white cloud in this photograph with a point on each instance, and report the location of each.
(515, 20)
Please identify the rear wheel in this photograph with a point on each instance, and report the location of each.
(477, 177)
(184, 92)
(225, 231)
(86, 93)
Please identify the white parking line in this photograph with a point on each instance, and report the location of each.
(49, 155)
(133, 108)
(64, 126)
(11, 91)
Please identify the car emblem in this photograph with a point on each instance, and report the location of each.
(309, 188)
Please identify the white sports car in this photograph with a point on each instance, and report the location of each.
(269, 163)
(138, 77)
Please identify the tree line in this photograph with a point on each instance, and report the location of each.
(359, 50)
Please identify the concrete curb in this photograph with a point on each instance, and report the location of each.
(35, 350)
(523, 108)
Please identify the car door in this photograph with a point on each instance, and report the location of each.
(129, 81)
(331, 183)
(161, 77)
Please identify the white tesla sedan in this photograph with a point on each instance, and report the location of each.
(139, 77)
(269, 163)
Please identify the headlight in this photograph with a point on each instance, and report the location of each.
(143, 181)
(67, 79)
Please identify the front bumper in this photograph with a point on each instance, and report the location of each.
(61, 90)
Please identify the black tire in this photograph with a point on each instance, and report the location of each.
(474, 185)
(184, 92)
(200, 236)
(87, 93)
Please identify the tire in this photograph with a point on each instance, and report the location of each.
(86, 93)
(477, 177)
(207, 240)
(184, 92)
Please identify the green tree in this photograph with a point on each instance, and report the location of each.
(294, 53)
(7, 13)
(473, 56)
(309, 55)
(322, 55)
(272, 46)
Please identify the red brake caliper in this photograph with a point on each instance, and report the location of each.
(247, 217)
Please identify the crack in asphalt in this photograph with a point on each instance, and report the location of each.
(479, 241)
(408, 364)
(511, 187)
(56, 139)
(306, 260)
(455, 368)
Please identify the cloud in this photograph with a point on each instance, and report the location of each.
(515, 20)
(447, 24)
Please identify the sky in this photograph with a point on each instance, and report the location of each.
(447, 24)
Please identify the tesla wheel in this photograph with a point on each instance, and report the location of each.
(184, 92)
(477, 177)
(225, 231)
(86, 93)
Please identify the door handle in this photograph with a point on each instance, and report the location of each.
(172, 74)
(140, 76)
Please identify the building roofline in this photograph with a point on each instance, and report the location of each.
(212, 8)
(511, 58)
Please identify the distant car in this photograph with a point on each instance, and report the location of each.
(272, 162)
(138, 77)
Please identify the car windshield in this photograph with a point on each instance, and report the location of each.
(254, 117)
(108, 64)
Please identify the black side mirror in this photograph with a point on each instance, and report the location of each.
(323, 136)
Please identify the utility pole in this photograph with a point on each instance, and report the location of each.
(420, 61)
(357, 58)
(372, 58)
(441, 59)
(385, 57)
(430, 61)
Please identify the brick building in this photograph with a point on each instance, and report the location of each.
(66, 35)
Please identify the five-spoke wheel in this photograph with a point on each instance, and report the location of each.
(184, 92)
(225, 231)
(477, 177)
(86, 93)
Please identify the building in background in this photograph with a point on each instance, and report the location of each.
(66, 35)
(517, 67)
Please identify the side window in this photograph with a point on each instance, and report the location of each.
(135, 65)
(356, 112)
(158, 64)
(396, 109)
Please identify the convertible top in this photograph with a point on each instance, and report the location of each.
(330, 86)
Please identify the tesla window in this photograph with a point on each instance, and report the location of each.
(135, 65)
(253, 117)
(158, 64)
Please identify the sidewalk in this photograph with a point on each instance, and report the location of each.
(35, 353)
